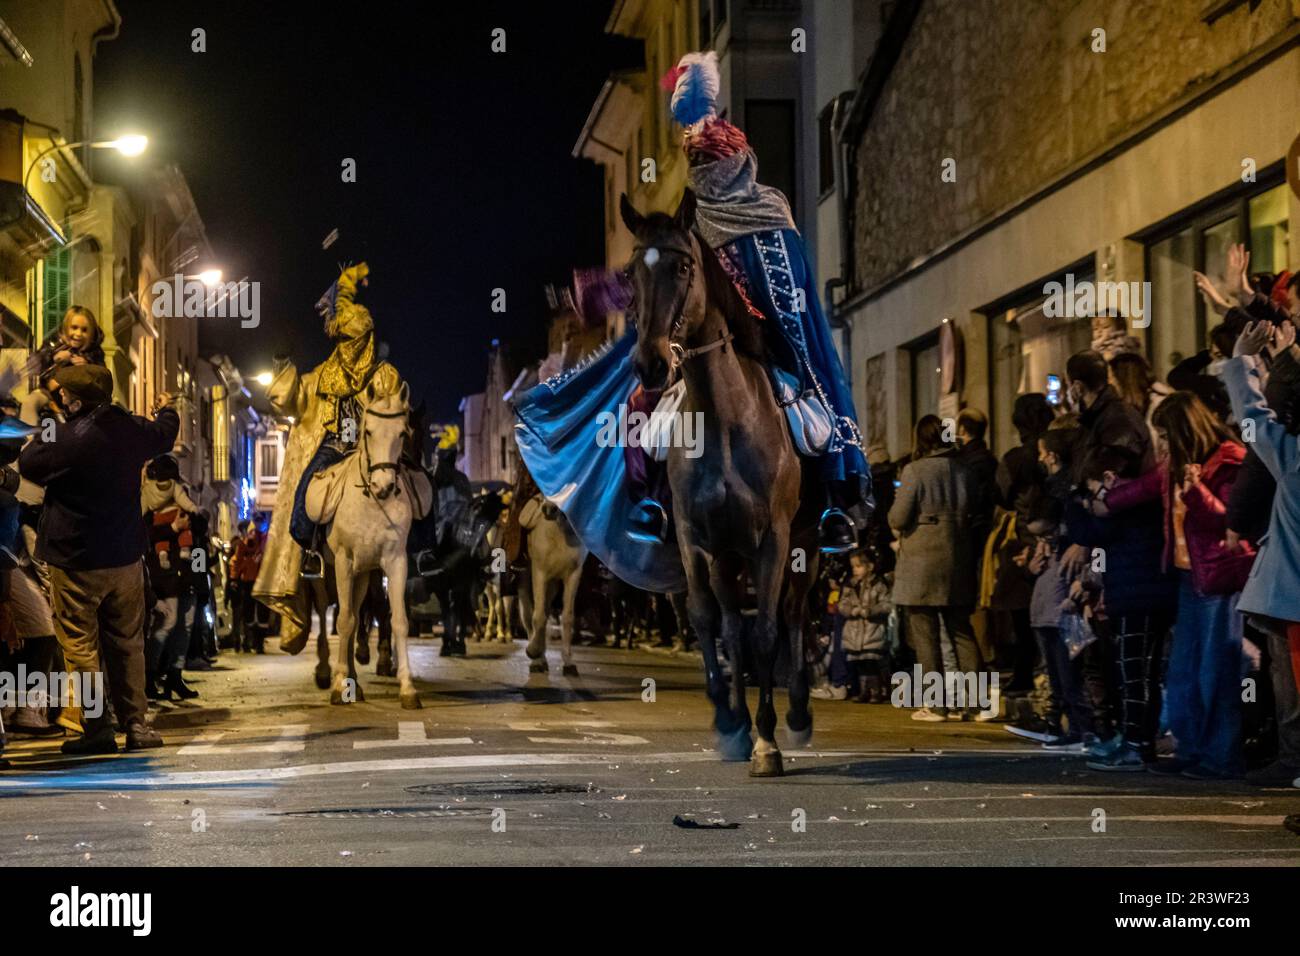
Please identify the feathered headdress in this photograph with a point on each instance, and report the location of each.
(695, 83)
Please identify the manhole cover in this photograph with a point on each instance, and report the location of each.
(380, 813)
(514, 788)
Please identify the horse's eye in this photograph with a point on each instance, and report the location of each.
(683, 268)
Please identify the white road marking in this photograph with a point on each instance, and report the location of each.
(411, 733)
(293, 740)
(588, 736)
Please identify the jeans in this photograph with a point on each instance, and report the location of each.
(1065, 678)
(170, 638)
(1203, 684)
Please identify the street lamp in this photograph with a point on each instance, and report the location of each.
(210, 277)
(132, 145)
(263, 378)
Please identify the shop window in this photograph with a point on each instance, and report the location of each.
(1198, 241)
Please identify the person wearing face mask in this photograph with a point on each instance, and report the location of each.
(92, 538)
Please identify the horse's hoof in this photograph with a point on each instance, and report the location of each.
(735, 746)
(537, 667)
(799, 738)
(766, 764)
(410, 701)
(384, 667)
(336, 697)
(323, 679)
(357, 692)
(446, 649)
(570, 670)
(363, 654)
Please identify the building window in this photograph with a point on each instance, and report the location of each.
(1198, 241)
(57, 289)
(826, 149)
(1026, 348)
(770, 128)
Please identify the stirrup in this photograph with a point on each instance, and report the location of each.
(648, 522)
(841, 543)
(424, 564)
(313, 565)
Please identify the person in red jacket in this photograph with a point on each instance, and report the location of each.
(1203, 683)
(244, 565)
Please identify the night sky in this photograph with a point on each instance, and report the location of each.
(465, 181)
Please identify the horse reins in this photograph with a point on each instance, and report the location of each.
(680, 353)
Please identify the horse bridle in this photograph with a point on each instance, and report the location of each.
(372, 467)
(680, 353)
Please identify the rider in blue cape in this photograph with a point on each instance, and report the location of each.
(750, 229)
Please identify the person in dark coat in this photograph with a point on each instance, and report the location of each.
(1110, 426)
(93, 539)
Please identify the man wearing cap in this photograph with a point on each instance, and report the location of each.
(93, 539)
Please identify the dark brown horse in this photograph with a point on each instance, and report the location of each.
(737, 505)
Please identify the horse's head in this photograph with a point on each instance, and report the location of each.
(668, 283)
(384, 432)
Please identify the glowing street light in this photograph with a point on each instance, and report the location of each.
(210, 277)
(263, 378)
(132, 144)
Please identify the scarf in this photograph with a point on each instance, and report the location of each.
(730, 203)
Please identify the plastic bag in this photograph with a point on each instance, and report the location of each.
(1077, 633)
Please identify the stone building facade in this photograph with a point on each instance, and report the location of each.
(994, 147)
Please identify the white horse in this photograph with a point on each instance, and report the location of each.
(555, 557)
(374, 500)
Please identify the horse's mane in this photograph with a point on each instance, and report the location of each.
(722, 293)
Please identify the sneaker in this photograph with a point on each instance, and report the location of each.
(1201, 772)
(1276, 774)
(829, 692)
(1104, 749)
(1068, 744)
(928, 715)
(1035, 728)
(1126, 760)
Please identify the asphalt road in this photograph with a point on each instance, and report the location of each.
(507, 768)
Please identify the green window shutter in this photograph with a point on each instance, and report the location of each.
(58, 290)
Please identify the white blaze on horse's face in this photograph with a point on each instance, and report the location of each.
(384, 431)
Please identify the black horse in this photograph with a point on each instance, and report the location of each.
(462, 553)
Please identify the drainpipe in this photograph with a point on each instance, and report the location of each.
(836, 318)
